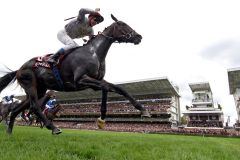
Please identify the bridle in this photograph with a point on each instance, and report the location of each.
(123, 36)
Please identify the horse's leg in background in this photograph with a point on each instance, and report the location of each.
(38, 121)
(23, 116)
(5, 112)
(5, 117)
(1, 112)
(101, 121)
(30, 117)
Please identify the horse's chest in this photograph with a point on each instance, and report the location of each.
(99, 71)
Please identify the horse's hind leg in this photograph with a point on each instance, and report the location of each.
(27, 80)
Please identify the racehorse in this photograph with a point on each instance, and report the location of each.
(5, 109)
(50, 114)
(82, 68)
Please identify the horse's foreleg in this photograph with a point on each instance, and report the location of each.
(95, 85)
(5, 118)
(101, 121)
(137, 105)
(114, 88)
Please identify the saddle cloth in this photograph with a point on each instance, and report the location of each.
(42, 62)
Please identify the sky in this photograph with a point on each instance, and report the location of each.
(187, 41)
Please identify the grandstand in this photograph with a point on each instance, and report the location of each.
(202, 112)
(159, 96)
(234, 88)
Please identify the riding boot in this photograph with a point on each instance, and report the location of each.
(53, 59)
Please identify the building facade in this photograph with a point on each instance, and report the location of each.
(202, 112)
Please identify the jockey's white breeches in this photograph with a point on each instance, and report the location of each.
(65, 39)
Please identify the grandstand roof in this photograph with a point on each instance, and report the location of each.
(233, 79)
(200, 86)
(138, 87)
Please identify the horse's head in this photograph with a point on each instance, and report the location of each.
(122, 32)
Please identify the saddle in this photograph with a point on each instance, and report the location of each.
(41, 61)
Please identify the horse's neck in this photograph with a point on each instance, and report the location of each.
(100, 46)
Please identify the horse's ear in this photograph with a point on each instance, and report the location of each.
(114, 18)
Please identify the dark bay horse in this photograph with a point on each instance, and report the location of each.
(82, 68)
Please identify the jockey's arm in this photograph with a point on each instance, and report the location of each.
(83, 12)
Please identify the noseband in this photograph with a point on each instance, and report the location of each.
(127, 35)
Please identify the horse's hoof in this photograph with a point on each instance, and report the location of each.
(145, 114)
(100, 123)
(56, 131)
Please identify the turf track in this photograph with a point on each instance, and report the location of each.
(32, 143)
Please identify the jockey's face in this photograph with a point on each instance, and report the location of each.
(92, 22)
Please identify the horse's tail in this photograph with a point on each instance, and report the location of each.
(5, 80)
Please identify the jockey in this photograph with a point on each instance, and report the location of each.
(50, 105)
(8, 99)
(80, 27)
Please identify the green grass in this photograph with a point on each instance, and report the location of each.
(32, 143)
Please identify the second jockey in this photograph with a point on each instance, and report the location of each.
(50, 105)
(8, 99)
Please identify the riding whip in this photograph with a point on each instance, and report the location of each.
(69, 18)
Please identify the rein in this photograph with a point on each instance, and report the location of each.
(127, 36)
